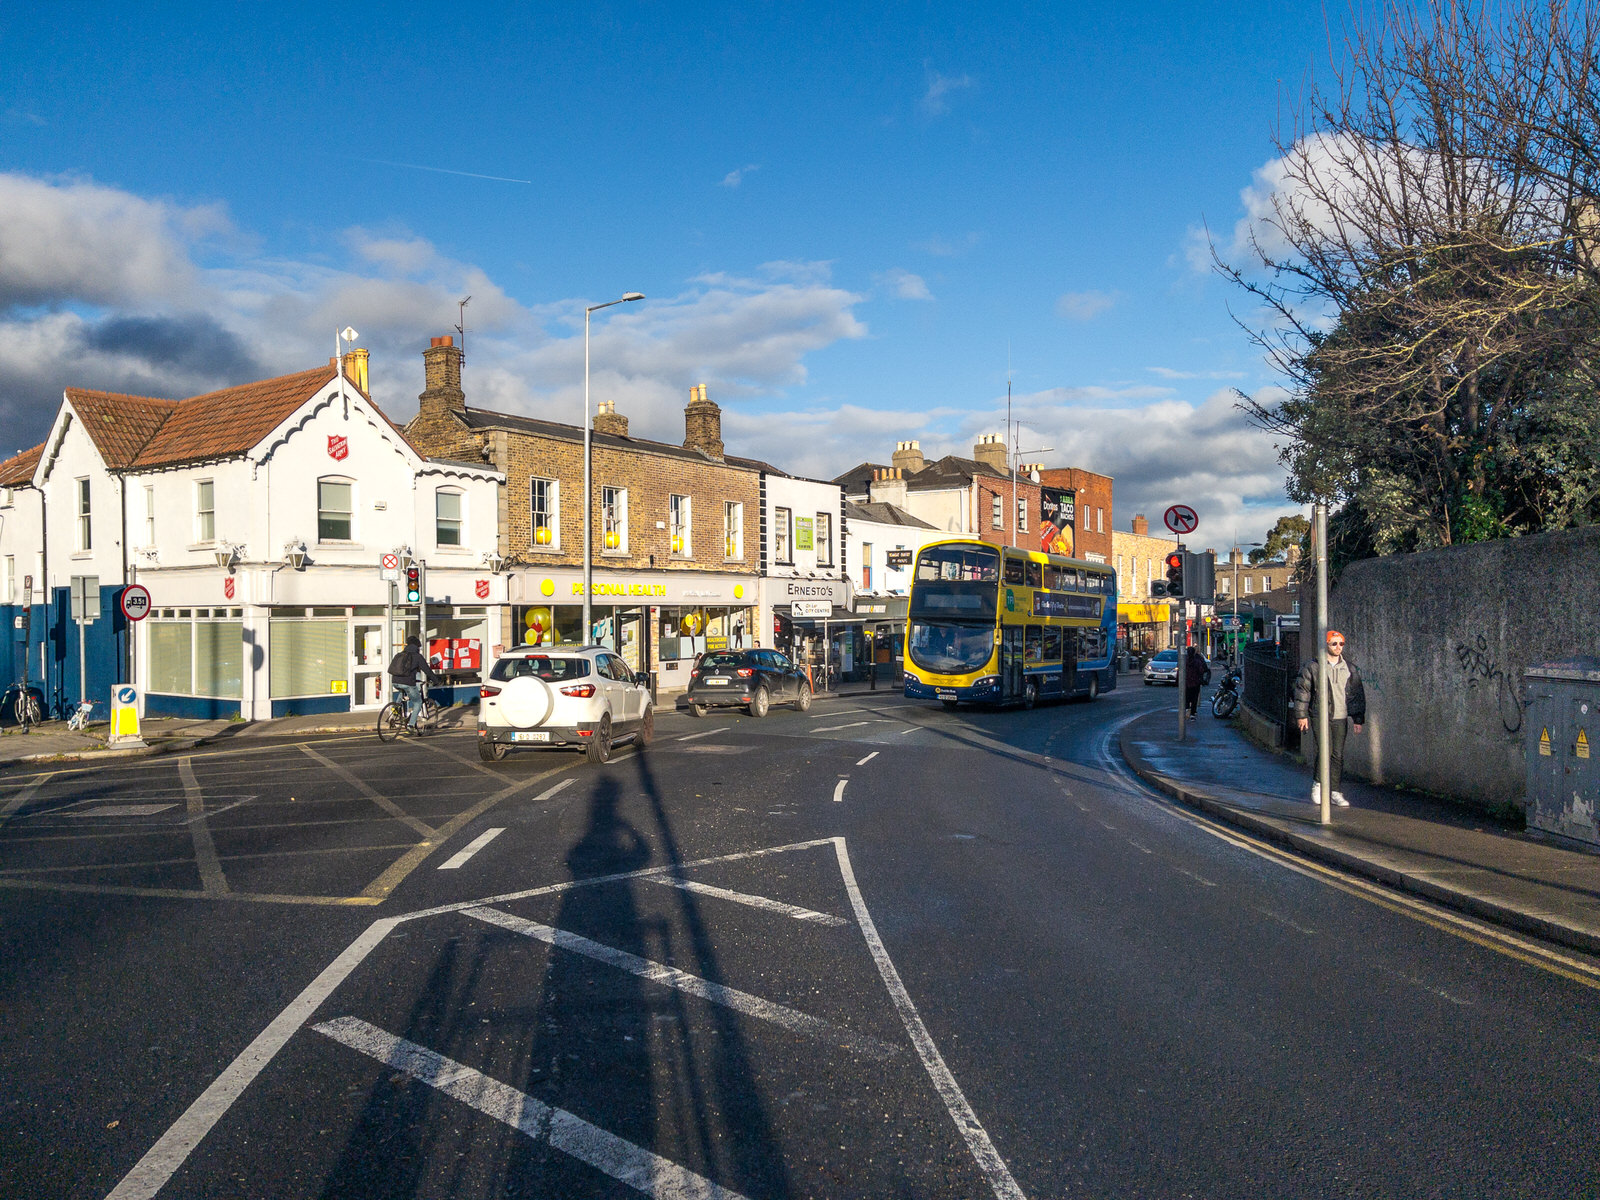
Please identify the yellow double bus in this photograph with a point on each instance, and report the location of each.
(995, 625)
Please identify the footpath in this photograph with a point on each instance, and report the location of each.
(1428, 847)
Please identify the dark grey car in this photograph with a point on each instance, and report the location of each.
(752, 679)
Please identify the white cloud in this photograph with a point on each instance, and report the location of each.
(935, 101)
(904, 284)
(947, 247)
(1169, 373)
(735, 177)
(1084, 306)
(136, 308)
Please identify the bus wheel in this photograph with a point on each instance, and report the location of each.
(1094, 688)
(1030, 694)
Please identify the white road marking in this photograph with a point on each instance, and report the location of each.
(913, 729)
(215, 811)
(761, 902)
(689, 737)
(212, 880)
(471, 848)
(22, 797)
(715, 748)
(864, 761)
(836, 728)
(635, 1166)
(151, 1173)
(122, 810)
(838, 792)
(754, 1006)
(988, 1158)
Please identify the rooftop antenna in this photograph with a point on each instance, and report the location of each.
(461, 326)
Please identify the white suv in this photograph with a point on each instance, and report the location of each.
(579, 697)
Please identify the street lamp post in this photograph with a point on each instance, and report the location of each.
(588, 500)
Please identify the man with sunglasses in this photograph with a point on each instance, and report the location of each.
(1347, 712)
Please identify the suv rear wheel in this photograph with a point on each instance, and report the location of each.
(491, 751)
(760, 703)
(599, 749)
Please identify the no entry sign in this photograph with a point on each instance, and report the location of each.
(1182, 519)
(135, 602)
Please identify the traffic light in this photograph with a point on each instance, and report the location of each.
(413, 584)
(1175, 573)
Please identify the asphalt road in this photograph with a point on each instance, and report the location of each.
(874, 950)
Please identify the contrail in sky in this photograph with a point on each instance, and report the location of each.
(383, 162)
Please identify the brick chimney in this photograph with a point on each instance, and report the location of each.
(991, 451)
(441, 375)
(888, 486)
(908, 457)
(1141, 527)
(608, 420)
(702, 424)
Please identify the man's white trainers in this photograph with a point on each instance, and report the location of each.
(1316, 793)
(1339, 801)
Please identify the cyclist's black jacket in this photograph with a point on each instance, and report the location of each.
(405, 665)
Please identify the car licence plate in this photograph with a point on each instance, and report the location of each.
(538, 735)
(715, 682)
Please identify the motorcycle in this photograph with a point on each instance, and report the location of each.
(1226, 698)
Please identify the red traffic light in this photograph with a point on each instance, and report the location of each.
(1175, 561)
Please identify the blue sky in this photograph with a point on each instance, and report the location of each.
(848, 222)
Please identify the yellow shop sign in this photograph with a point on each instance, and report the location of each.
(621, 589)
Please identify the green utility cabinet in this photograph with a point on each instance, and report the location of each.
(1561, 727)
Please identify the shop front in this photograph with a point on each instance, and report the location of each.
(274, 642)
(880, 629)
(813, 624)
(1143, 629)
(657, 621)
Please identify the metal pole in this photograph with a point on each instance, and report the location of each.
(588, 565)
(1183, 669)
(1324, 694)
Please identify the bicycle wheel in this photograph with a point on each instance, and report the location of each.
(30, 710)
(391, 721)
(428, 722)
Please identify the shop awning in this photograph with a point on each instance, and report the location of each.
(1144, 614)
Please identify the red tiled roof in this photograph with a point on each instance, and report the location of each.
(119, 425)
(226, 423)
(19, 468)
(134, 432)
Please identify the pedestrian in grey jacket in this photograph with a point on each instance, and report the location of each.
(1347, 712)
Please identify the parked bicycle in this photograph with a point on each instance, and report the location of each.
(21, 705)
(79, 720)
(1226, 698)
(395, 718)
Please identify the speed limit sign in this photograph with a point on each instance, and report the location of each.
(135, 602)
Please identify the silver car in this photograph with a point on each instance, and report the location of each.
(1163, 668)
(574, 697)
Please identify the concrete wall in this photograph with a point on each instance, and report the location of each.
(1442, 638)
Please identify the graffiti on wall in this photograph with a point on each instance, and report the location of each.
(1478, 664)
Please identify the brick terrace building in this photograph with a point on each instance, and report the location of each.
(1143, 622)
(676, 529)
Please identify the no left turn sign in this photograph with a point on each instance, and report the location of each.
(1182, 519)
(135, 602)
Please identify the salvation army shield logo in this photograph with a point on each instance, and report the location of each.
(338, 447)
(227, 587)
(481, 587)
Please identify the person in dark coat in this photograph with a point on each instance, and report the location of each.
(1346, 714)
(406, 670)
(1194, 678)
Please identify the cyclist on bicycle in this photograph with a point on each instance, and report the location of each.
(407, 670)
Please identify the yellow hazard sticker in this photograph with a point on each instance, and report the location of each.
(1582, 748)
(1544, 742)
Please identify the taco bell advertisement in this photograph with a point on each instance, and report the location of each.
(1057, 531)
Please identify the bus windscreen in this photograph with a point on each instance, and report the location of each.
(956, 582)
(950, 649)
